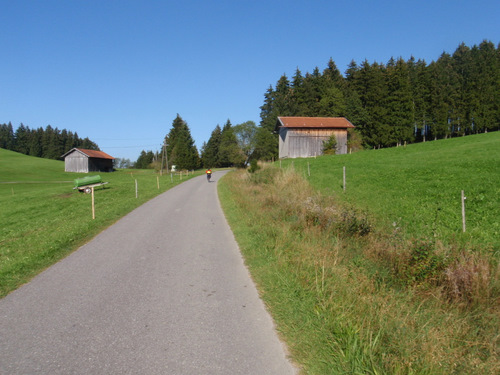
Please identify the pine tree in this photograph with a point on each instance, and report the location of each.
(419, 82)
(297, 87)
(145, 160)
(266, 146)
(35, 142)
(485, 87)
(211, 149)
(181, 150)
(312, 91)
(443, 96)
(229, 152)
(7, 137)
(399, 103)
(22, 139)
(373, 89)
(462, 107)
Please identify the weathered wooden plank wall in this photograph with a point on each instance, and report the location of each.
(296, 143)
(76, 162)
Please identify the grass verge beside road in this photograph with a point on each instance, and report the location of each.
(337, 301)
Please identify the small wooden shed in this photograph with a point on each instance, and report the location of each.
(301, 137)
(84, 161)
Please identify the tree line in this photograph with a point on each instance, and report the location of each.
(178, 149)
(227, 147)
(401, 101)
(50, 143)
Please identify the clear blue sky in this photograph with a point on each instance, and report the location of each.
(119, 71)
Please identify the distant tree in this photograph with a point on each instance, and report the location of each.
(266, 145)
(372, 91)
(332, 88)
(49, 143)
(35, 143)
(485, 87)
(312, 89)
(246, 137)
(22, 139)
(7, 138)
(297, 87)
(181, 149)
(144, 160)
(86, 143)
(209, 155)
(122, 163)
(399, 104)
(402, 101)
(229, 152)
(443, 97)
(420, 83)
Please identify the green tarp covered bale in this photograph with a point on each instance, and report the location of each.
(88, 180)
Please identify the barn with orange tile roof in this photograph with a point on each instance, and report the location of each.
(301, 137)
(83, 161)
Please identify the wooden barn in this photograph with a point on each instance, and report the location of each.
(301, 137)
(84, 161)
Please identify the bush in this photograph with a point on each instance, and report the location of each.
(330, 146)
(254, 166)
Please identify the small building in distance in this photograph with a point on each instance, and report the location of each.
(85, 161)
(301, 137)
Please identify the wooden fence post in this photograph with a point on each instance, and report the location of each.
(136, 188)
(93, 205)
(344, 178)
(158, 182)
(463, 211)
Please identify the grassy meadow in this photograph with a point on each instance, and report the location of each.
(418, 187)
(43, 219)
(350, 292)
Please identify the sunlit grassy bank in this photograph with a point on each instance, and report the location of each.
(349, 292)
(418, 187)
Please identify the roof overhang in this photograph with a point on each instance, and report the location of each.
(89, 153)
(312, 123)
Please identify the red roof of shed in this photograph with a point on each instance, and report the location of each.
(314, 122)
(91, 153)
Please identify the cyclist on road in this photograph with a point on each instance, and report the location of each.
(209, 174)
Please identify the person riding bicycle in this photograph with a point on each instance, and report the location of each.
(209, 174)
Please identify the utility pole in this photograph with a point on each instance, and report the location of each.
(162, 155)
(166, 154)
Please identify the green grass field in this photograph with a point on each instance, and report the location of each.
(330, 289)
(350, 293)
(43, 219)
(418, 187)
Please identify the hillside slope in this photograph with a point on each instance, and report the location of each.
(19, 167)
(418, 187)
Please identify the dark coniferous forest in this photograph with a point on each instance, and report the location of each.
(48, 143)
(400, 101)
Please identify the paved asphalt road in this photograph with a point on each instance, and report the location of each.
(163, 291)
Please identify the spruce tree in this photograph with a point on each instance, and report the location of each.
(211, 149)
(181, 150)
(399, 102)
(229, 152)
(22, 139)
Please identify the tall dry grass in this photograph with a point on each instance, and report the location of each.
(350, 300)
